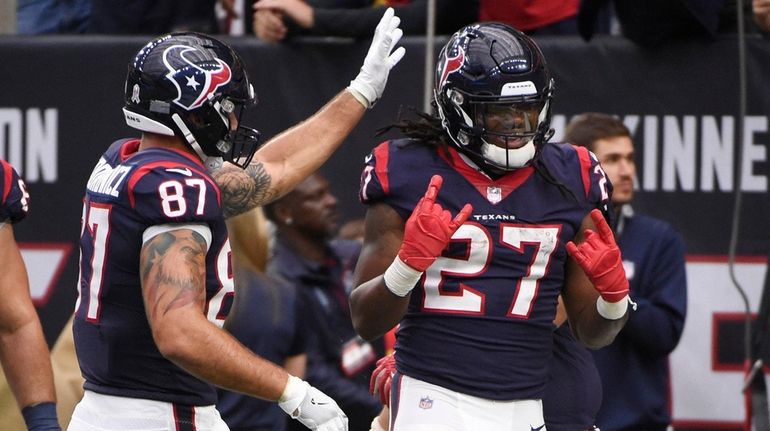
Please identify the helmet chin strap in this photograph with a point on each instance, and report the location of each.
(189, 137)
(509, 158)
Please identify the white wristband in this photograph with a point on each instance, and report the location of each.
(612, 310)
(400, 278)
(292, 395)
(358, 95)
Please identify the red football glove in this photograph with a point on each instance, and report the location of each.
(382, 376)
(429, 229)
(599, 256)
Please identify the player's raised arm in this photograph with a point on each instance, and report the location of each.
(288, 158)
(394, 258)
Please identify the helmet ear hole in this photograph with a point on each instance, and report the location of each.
(194, 120)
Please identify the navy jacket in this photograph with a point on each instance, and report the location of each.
(634, 368)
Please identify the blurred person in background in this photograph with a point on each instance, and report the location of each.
(152, 17)
(352, 230)
(761, 13)
(24, 354)
(533, 17)
(266, 317)
(52, 16)
(652, 23)
(275, 20)
(634, 369)
(473, 267)
(308, 257)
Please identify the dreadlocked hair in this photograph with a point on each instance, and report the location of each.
(419, 126)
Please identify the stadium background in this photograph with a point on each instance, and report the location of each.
(60, 108)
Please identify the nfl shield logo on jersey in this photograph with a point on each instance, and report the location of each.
(426, 403)
(494, 194)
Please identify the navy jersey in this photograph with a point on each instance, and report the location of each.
(14, 199)
(480, 319)
(574, 390)
(127, 193)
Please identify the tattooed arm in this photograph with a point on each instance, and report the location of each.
(288, 158)
(173, 284)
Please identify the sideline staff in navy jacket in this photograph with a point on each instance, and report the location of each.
(634, 369)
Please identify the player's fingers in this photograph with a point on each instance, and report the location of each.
(462, 216)
(435, 185)
(602, 226)
(373, 383)
(423, 206)
(593, 241)
(386, 393)
(397, 55)
(384, 23)
(575, 252)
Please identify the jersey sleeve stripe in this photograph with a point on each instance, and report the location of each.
(200, 228)
(381, 154)
(585, 167)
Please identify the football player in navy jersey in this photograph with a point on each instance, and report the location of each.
(472, 267)
(155, 272)
(23, 351)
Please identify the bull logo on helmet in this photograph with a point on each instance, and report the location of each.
(451, 65)
(194, 82)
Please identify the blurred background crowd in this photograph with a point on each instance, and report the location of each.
(648, 23)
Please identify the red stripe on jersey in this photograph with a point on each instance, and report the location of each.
(585, 167)
(507, 183)
(381, 165)
(7, 178)
(145, 169)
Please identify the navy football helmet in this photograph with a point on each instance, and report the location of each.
(192, 86)
(493, 92)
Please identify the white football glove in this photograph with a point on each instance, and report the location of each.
(370, 82)
(311, 407)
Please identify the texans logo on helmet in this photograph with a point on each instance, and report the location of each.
(451, 65)
(194, 82)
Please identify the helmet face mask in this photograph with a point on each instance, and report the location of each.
(493, 92)
(195, 87)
